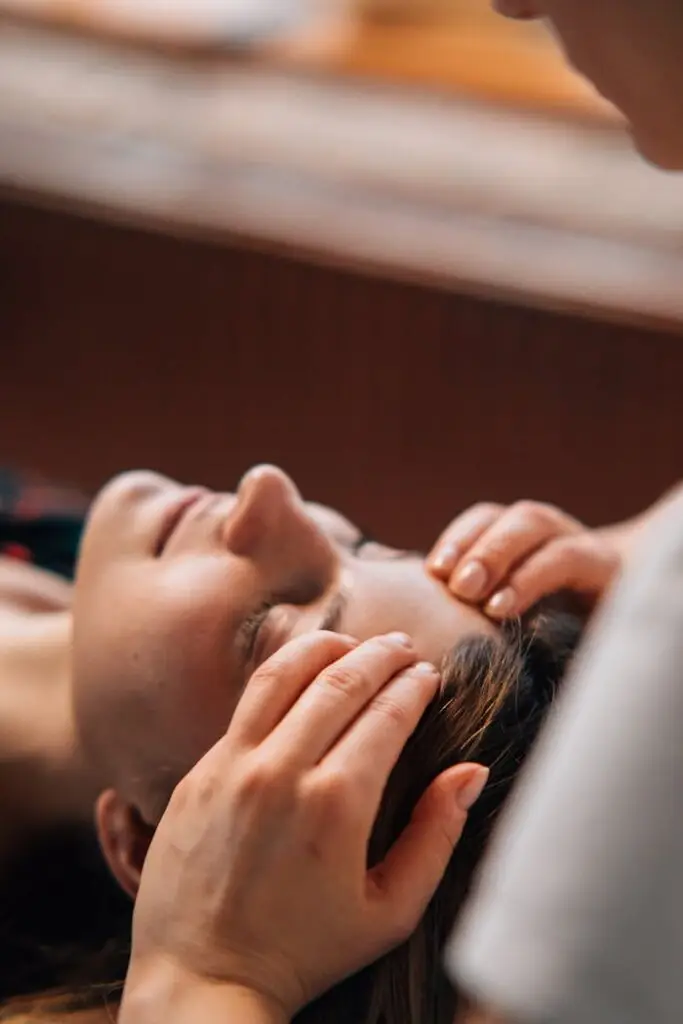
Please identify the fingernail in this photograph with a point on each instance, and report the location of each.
(445, 559)
(400, 638)
(425, 668)
(502, 603)
(471, 580)
(472, 789)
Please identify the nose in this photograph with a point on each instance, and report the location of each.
(269, 523)
(520, 10)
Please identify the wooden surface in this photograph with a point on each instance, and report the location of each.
(473, 52)
(457, 46)
(394, 181)
(172, 25)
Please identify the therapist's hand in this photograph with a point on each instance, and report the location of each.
(256, 881)
(506, 558)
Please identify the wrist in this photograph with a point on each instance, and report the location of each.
(164, 993)
(623, 536)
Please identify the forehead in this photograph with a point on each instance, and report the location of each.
(400, 595)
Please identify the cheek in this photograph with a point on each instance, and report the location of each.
(189, 638)
(159, 649)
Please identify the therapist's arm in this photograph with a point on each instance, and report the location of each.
(578, 914)
(626, 535)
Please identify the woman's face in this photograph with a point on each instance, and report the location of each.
(630, 50)
(181, 593)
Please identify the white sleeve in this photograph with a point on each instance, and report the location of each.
(578, 914)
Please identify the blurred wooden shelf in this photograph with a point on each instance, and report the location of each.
(197, 26)
(469, 50)
(391, 180)
(474, 53)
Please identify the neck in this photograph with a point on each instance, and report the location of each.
(43, 774)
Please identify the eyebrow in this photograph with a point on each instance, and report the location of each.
(399, 553)
(331, 620)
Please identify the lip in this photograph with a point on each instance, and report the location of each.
(174, 513)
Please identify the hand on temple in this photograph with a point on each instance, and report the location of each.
(256, 896)
(506, 558)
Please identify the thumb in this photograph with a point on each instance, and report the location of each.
(410, 873)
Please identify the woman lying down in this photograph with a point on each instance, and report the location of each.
(116, 686)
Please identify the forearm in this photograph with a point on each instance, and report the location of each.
(165, 995)
(626, 534)
(601, 804)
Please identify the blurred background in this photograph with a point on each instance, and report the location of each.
(394, 246)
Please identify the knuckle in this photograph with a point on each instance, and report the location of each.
(390, 709)
(486, 508)
(566, 546)
(326, 805)
(262, 780)
(330, 792)
(268, 675)
(199, 788)
(565, 552)
(339, 679)
(531, 511)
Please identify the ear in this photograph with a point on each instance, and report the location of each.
(124, 839)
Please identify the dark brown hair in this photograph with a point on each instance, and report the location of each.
(64, 921)
(495, 696)
(496, 692)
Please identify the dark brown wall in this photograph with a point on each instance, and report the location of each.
(398, 403)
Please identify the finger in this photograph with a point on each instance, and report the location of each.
(406, 880)
(569, 563)
(337, 696)
(368, 751)
(459, 536)
(514, 537)
(275, 686)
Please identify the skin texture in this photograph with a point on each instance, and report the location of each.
(165, 619)
(630, 50)
(156, 624)
(181, 594)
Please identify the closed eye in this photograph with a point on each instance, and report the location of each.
(303, 592)
(249, 630)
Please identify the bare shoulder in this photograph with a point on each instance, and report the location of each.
(26, 588)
